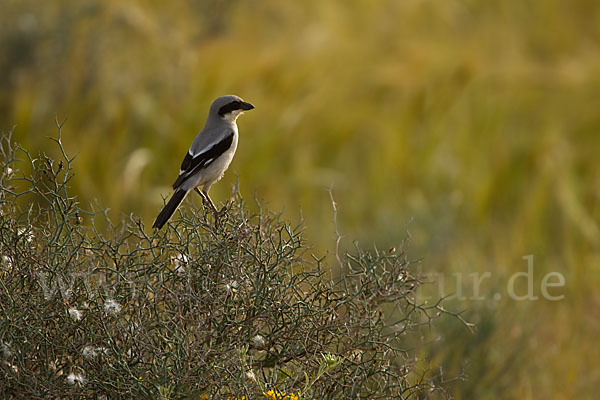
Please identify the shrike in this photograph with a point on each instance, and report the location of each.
(209, 155)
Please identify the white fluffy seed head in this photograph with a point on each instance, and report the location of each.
(250, 375)
(231, 287)
(180, 262)
(5, 350)
(74, 378)
(111, 307)
(90, 352)
(259, 342)
(7, 261)
(75, 314)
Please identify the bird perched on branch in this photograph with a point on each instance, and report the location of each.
(209, 155)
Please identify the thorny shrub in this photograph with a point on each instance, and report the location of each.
(233, 307)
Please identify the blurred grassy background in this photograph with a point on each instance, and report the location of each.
(478, 120)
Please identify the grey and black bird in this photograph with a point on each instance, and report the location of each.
(209, 155)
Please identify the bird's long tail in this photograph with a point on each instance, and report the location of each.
(170, 208)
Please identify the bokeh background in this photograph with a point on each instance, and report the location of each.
(477, 122)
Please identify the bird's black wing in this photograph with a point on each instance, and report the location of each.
(193, 163)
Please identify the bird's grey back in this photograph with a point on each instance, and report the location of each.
(211, 135)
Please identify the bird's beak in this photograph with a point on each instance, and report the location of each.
(247, 106)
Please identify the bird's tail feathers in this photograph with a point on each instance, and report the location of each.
(170, 208)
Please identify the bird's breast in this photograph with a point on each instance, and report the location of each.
(217, 168)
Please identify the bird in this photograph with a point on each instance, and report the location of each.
(209, 155)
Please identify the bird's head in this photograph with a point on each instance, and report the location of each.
(229, 107)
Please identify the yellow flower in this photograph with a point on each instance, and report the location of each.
(271, 395)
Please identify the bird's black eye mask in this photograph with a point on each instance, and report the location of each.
(233, 106)
(230, 107)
